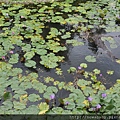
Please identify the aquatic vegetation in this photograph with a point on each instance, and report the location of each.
(36, 35)
(90, 58)
(106, 100)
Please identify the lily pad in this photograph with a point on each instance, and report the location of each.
(34, 97)
(43, 108)
(83, 65)
(90, 58)
(14, 58)
(29, 55)
(30, 63)
(18, 105)
(50, 60)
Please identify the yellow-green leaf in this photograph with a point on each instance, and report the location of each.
(43, 108)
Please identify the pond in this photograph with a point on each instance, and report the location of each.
(41, 42)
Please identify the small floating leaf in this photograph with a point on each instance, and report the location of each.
(34, 97)
(44, 107)
(110, 72)
(96, 71)
(90, 58)
(18, 105)
(72, 69)
(30, 63)
(29, 55)
(58, 71)
(83, 65)
(14, 58)
(118, 61)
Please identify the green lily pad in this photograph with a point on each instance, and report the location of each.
(43, 108)
(18, 105)
(34, 97)
(71, 70)
(83, 65)
(90, 58)
(14, 58)
(110, 72)
(29, 55)
(50, 60)
(30, 63)
(96, 71)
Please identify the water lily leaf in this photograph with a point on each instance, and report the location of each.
(110, 107)
(16, 71)
(29, 55)
(14, 58)
(61, 85)
(48, 79)
(52, 89)
(82, 82)
(57, 110)
(72, 69)
(39, 86)
(26, 48)
(44, 107)
(90, 58)
(16, 96)
(7, 104)
(67, 35)
(73, 96)
(83, 65)
(56, 83)
(110, 72)
(32, 109)
(118, 80)
(34, 97)
(50, 60)
(18, 105)
(41, 51)
(24, 98)
(26, 85)
(70, 106)
(55, 46)
(118, 61)
(96, 71)
(58, 71)
(87, 91)
(53, 33)
(30, 63)
(86, 102)
(20, 91)
(47, 94)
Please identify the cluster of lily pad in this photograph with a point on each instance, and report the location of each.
(90, 96)
(28, 31)
(24, 26)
